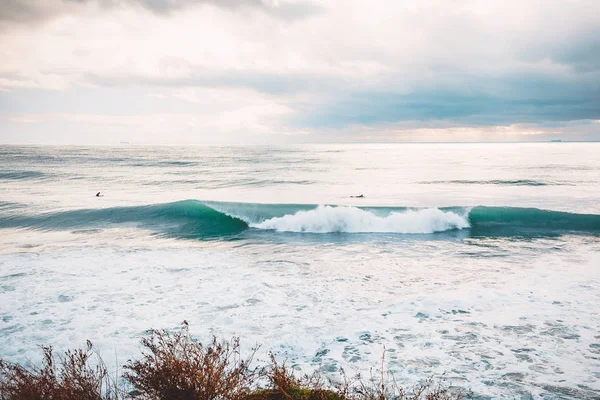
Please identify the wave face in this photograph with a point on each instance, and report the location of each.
(511, 221)
(500, 182)
(326, 219)
(183, 219)
(21, 175)
(191, 219)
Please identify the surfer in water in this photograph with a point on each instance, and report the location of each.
(358, 197)
(99, 195)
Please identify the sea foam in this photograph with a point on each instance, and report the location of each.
(326, 219)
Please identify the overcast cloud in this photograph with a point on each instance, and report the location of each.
(276, 71)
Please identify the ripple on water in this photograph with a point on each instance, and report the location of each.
(13, 276)
(63, 298)
(518, 329)
(351, 354)
(560, 331)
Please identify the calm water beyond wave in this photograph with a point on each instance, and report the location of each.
(477, 261)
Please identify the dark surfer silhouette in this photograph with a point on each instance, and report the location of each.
(99, 195)
(358, 197)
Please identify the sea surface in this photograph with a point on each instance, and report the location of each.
(476, 262)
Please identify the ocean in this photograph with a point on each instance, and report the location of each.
(478, 263)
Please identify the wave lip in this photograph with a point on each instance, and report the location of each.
(328, 219)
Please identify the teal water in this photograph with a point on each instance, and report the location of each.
(477, 261)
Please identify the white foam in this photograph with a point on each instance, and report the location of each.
(463, 309)
(325, 219)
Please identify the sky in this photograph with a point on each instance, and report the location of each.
(295, 71)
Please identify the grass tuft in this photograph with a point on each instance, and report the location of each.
(382, 385)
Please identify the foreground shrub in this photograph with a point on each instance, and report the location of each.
(175, 366)
(75, 375)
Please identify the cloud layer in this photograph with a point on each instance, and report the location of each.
(318, 70)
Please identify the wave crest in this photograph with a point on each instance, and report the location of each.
(327, 219)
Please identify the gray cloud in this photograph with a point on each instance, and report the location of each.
(26, 11)
(524, 98)
(32, 11)
(470, 99)
(269, 83)
(330, 72)
(285, 10)
(584, 55)
(482, 99)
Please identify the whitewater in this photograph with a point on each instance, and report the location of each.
(476, 262)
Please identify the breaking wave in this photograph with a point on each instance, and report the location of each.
(191, 219)
(327, 219)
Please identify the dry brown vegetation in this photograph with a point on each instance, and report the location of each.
(75, 375)
(175, 366)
